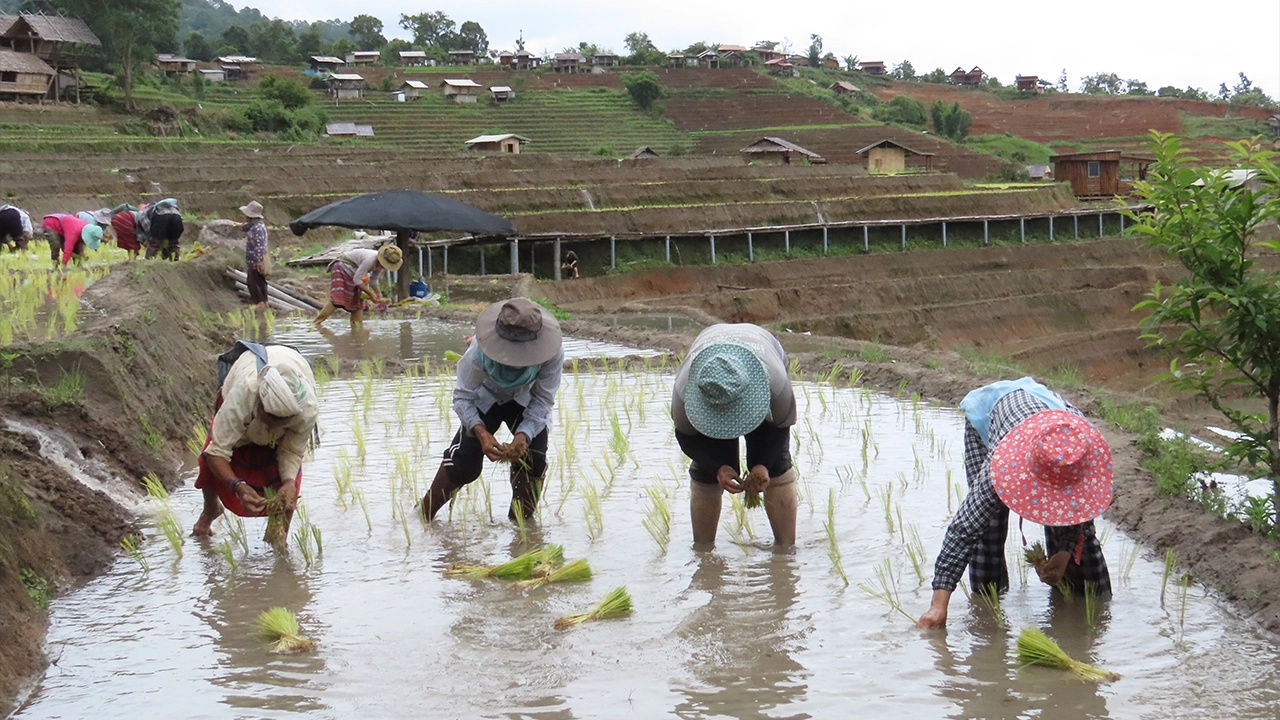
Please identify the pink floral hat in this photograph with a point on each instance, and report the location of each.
(1053, 468)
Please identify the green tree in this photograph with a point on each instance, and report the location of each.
(273, 41)
(428, 28)
(287, 91)
(130, 30)
(1102, 84)
(471, 36)
(237, 37)
(198, 48)
(367, 32)
(938, 76)
(902, 110)
(643, 87)
(815, 50)
(1221, 320)
(310, 42)
(1062, 81)
(904, 71)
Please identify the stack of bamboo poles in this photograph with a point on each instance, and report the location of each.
(277, 298)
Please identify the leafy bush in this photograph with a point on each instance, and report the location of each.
(902, 110)
(643, 88)
(950, 122)
(288, 92)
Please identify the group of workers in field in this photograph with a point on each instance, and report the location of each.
(156, 227)
(1025, 448)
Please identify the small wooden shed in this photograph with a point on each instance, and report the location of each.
(462, 57)
(972, 78)
(709, 58)
(364, 57)
(346, 86)
(413, 88)
(844, 87)
(1097, 174)
(23, 76)
(570, 62)
(461, 90)
(326, 63)
(174, 65)
(873, 67)
(506, 59)
(502, 93)
(675, 60)
(1029, 84)
(777, 150)
(213, 75)
(604, 59)
(889, 156)
(413, 58)
(508, 143)
(526, 60)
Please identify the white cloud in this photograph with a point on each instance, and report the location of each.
(1176, 42)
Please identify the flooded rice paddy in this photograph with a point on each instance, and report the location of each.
(743, 631)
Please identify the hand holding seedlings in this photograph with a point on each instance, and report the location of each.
(489, 445)
(756, 482)
(516, 449)
(728, 479)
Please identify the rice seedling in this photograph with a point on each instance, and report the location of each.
(591, 511)
(915, 552)
(833, 546)
(657, 520)
(1092, 600)
(228, 553)
(520, 567)
(303, 537)
(740, 531)
(1067, 592)
(132, 544)
(235, 531)
(753, 487)
(990, 596)
(573, 571)
(886, 589)
(279, 626)
(886, 501)
(277, 533)
(199, 434)
(617, 603)
(1035, 648)
(518, 512)
(164, 516)
(1130, 559)
(1169, 559)
(1182, 601)
(1035, 555)
(357, 431)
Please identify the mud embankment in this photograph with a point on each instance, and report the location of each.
(69, 460)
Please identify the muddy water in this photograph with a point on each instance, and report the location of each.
(744, 631)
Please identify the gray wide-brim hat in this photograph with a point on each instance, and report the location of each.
(518, 333)
(727, 395)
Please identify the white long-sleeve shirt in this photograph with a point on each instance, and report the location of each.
(475, 393)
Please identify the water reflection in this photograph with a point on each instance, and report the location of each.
(985, 682)
(741, 641)
(251, 677)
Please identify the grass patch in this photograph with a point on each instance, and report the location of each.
(1133, 416)
(556, 312)
(984, 362)
(68, 390)
(1011, 148)
(873, 353)
(1198, 126)
(37, 588)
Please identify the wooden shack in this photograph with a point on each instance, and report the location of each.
(462, 57)
(502, 93)
(461, 90)
(363, 57)
(1029, 84)
(170, 64)
(1098, 174)
(675, 60)
(24, 76)
(709, 58)
(526, 60)
(844, 87)
(506, 60)
(781, 68)
(570, 62)
(413, 88)
(413, 58)
(873, 67)
(212, 75)
(508, 143)
(604, 59)
(326, 63)
(346, 86)
(237, 67)
(889, 156)
(830, 63)
(779, 151)
(55, 40)
(767, 54)
(971, 78)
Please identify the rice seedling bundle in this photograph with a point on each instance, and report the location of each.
(616, 604)
(990, 595)
(165, 518)
(132, 544)
(833, 547)
(520, 567)
(657, 521)
(279, 626)
(753, 487)
(1035, 648)
(572, 571)
(1035, 555)
(277, 534)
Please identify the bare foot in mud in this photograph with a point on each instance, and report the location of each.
(204, 526)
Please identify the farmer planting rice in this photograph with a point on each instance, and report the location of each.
(264, 418)
(734, 384)
(124, 219)
(354, 275)
(161, 229)
(15, 228)
(510, 375)
(69, 236)
(1025, 449)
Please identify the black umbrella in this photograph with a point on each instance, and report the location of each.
(403, 211)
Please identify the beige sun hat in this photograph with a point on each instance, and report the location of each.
(252, 210)
(518, 333)
(390, 257)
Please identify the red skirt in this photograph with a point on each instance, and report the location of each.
(343, 292)
(126, 232)
(255, 464)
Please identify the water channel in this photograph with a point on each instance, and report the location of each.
(742, 631)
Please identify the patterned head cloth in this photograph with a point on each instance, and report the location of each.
(728, 391)
(1054, 469)
(280, 397)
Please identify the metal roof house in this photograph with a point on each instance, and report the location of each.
(346, 86)
(326, 63)
(570, 62)
(413, 88)
(462, 57)
(348, 129)
(1030, 84)
(873, 67)
(502, 93)
(779, 151)
(174, 65)
(508, 143)
(363, 57)
(890, 156)
(461, 90)
(1097, 174)
(413, 58)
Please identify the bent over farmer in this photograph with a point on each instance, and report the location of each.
(69, 236)
(15, 228)
(734, 384)
(1027, 450)
(264, 419)
(354, 275)
(510, 375)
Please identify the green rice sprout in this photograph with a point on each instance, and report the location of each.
(199, 434)
(1169, 559)
(279, 626)
(164, 516)
(657, 520)
(520, 567)
(1092, 600)
(915, 552)
(740, 531)
(753, 487)
(1182, 602)
(132, 544)
(885, 589)
(573, 571)
(833, 546)
(591, 511)
(357, 431)
(228, 553)
(990, 596)
(1035, 648)
(886, 500)
(617, 603)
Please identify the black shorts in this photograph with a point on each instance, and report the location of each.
(767, 445)
(464, 460)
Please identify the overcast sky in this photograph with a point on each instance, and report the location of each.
(1168, 42)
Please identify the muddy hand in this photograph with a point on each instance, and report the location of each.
(1052, 570)
(757, 481)
(728, 479)
(254, 504)
(488, 443)
(517, 448)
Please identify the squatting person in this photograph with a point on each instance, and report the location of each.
(15, 228)
(734, 384)
(510, 375)
(264, 421)
(1027, 450)
(355, 275)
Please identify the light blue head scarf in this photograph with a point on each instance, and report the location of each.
(505, 376)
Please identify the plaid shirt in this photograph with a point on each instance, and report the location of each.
(976, 535)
